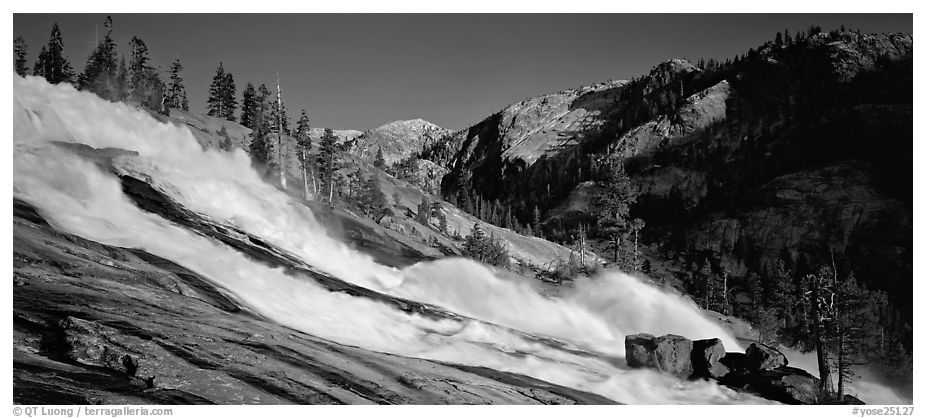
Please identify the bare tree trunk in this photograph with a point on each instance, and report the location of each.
(819, 343)
(823, 365)
(314, 182)
(841, 361)
(614, 242)
(833, 260)
(305, 175)
(840, 356)
(281, 162)
(636, 235)
(331, 189)
(725, 301)
(582, 248)
(280, 134)
(709, 291)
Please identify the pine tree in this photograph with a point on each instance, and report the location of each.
(279, 117)
(379, 162)
(486, 249)
(51, 62)
(122, 79)
(474, 242)
(442, 222)
(537, 221)
(176, 92)
(19, 56)
(816, 305)
(263, 98)
(249, 106)
(469, 204)
(780, 293)
(304, 141)
(436, 208)
(144, 81)
(327, 162)
(371, 199)
(215, 104)
(494, 217)
(496, 252)
(302, 126)
(853, 324)
(613, 205)
(138, 64)
(424, 208)
(227, 96)
(226, 143)
(355, 188)
(39, 68)
(101, 73)
(261, 147)
(706, 275)
(377, 199)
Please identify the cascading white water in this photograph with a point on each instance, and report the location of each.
(78, 197)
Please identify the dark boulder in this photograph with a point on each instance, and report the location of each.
(763, 357)
(638, 349)
(785, 384)
(668, 353)
(705, 358)
(736, 362)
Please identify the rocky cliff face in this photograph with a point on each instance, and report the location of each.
(525, 135)
(97, 324)
(539, 126)
(397, 140)
(791, 148)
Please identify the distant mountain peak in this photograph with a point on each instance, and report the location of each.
(397, 139)
(675, 65)
(413, 124)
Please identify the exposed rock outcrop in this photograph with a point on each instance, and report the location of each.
(668, 353)
(698, 112)
(777, 152)
(762, 370)
(705, 358)
(783, 384)
(397, 140)
(763, 357)
(91, 325)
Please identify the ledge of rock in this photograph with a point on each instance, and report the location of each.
(668, 353)
(100, 324)
(761, 370)
(705, 358)
(763, 357)
(784, 384)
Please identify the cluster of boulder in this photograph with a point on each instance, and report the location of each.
(761, 370)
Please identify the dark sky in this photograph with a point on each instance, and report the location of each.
(360, 71)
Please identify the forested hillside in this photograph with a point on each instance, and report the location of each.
(745, 175)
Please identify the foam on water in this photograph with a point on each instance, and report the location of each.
(78, 197)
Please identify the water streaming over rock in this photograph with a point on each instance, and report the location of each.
(591, 321)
